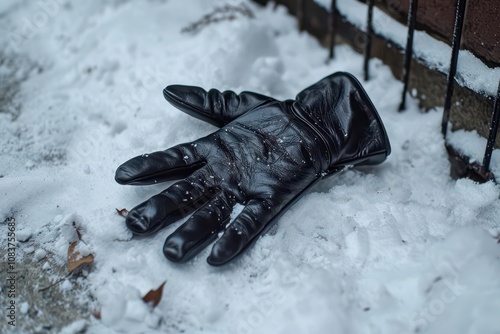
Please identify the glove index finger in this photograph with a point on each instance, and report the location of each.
(214, 107)
(174, 163)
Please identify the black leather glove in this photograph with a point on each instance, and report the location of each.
(265, 156)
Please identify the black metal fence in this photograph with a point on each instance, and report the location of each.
(457, 35)
(481, 171)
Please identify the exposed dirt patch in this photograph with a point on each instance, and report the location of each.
(46, 311)
(14, 69)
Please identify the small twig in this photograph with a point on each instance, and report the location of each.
(55, 283)
(224, 13)
(78, 233)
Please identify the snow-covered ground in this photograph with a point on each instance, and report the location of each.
(397, 248)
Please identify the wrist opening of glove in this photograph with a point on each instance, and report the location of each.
(344, 120)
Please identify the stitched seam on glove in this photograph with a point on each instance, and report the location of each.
(327, 151)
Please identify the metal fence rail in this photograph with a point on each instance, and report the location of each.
(483, 171)
(412, 21)
(455, 47)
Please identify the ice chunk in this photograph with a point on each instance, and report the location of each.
(40, 254)
(24, 307)
(24, 234)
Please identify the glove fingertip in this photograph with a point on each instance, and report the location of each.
(215, 261)
(172, 253)
(122, 175)
(170, 93)
(182, 96)
(227, 248)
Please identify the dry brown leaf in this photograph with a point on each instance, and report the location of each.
(153, 297)
(123, 212)
(97, 314)
(75, 260)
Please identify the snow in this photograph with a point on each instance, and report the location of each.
(472, 145)
(76, 327)
(29, 249)
(396, 248)
(24, 307)
(82, 250)
(46, 266)
(66, 285)
(124, 310)
(40, 254)
(471, 71)
(24, 234)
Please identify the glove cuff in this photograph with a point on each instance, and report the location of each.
(343, 118)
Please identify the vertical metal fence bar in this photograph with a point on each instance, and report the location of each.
(368, 44)
(495, 116)
(412, 20)
(301, 14)
(332, 28)
(455, 47)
